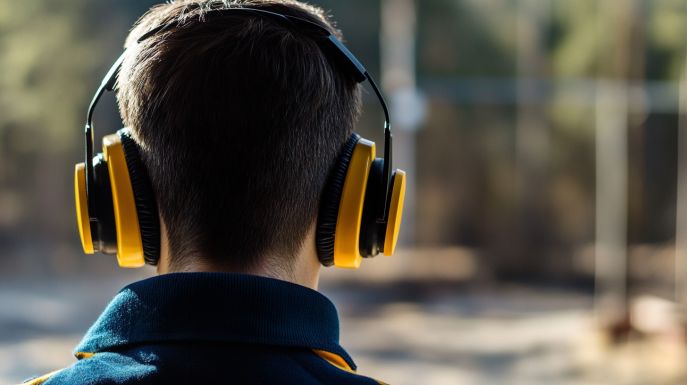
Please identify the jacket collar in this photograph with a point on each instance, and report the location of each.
(216, 307)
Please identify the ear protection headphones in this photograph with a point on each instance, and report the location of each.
(361, 205)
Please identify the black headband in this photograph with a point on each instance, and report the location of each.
(331, 46)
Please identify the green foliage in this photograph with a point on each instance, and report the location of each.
(667, 32)
(465, 38)
(575, 53)
(45, 58)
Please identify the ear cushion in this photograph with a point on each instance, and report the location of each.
(146, 205)
(329, 203)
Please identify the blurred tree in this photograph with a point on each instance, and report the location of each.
(574, 49)
(52, 54)
(667, 33)
(46, 58)
(468, 38)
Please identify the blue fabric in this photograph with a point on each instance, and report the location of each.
(215, 327)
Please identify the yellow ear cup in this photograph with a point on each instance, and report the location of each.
(398, 194)
(129, 244)
(82, 209)
(347, 238)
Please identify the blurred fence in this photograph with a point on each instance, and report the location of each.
(505, 160)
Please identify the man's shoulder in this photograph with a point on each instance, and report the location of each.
(211, 362)
(99, 369)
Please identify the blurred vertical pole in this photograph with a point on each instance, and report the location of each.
(407, 106)
(611, 202)
(681, 215)
(615, 24)
(532, 128)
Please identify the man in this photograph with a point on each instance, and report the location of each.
(239, 122)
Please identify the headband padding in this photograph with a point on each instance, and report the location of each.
(329, 205)
(146, 205)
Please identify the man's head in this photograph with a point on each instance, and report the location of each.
(239, 120)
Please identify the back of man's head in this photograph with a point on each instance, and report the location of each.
(239, 121)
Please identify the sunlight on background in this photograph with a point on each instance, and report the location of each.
(545, 237)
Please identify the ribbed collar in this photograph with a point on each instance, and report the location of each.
(216, 307)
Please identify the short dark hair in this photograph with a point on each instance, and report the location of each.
(239, 122)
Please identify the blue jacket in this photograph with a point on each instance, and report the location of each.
(212, 328)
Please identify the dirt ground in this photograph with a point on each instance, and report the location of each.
(400, 334)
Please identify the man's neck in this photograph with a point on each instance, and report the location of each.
(303, 270)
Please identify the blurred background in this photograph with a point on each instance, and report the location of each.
(545, 232)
